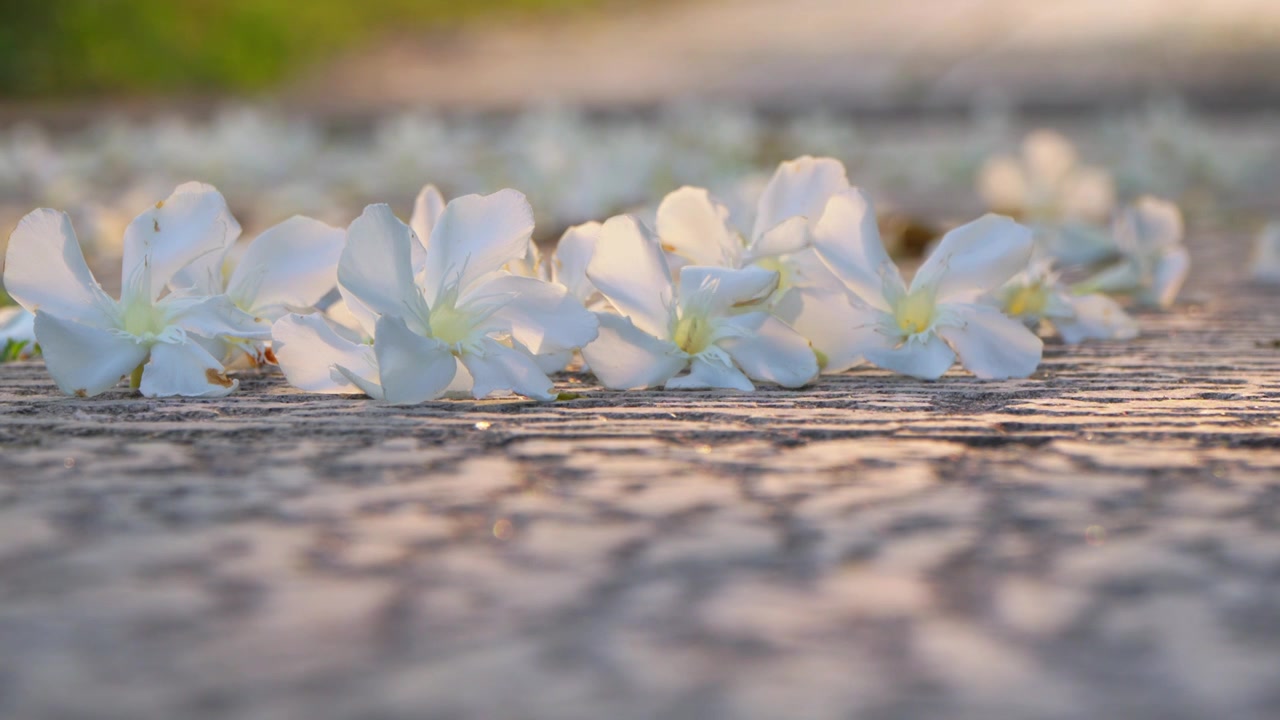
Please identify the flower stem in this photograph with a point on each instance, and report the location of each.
(135, 380)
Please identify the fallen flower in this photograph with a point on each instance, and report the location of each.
(661, 330)
(1265, 263)
(1153, 261)
(91, 341)
(921, 329)
(1037, 297)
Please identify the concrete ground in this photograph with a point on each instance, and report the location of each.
(1100, 540)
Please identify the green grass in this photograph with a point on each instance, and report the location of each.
(64, 47)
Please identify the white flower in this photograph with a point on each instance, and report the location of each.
(440, 318)
(1037, 297)
(696, 229)
(89, 340)
(658, 335)
(1047, 183)
(920, 330)
(290, 267)
(1265, 263)
(1153, 261)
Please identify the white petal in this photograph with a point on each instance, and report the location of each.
(477, 235)
(542, 316)
(711, 369)
(630, 271)
(1049, 156)
(974, 259)
(990, 344)
(1149, 226)
(624, 357)
(765, 348)
(923, 356)
(1003, 185)
(1095, 317)
(789, 236)
(82, 359)
(826, 318)
(572, 255)
(193, 226)
(495, 367)
(213, 317)
(184, 369)
(1077, 243)
(799, 188)
(716, 290)
(1265, 261)
(1089, 194)
(427, 208)
(553, 362)
(413, 368)
(375, 271)
(17, 324)
(1167, 278)
(692, 225)
(45, 270)
(847, 239)
(292, 265)
(307, 348)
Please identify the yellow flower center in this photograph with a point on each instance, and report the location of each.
(914, 312)
(140, 318)
(1027, 300)
(448, 325)
(693, 334)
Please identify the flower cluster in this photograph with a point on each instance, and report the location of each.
(459, 301)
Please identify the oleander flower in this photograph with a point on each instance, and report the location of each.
(662, 330)
(1037, 297)
(457, 322)
(696, 229)
(1065, 202)
(290, 267)
(91, 341)
(1153, 262)
(1265, 262)
(921, 329)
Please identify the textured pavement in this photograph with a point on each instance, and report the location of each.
(1101, 540)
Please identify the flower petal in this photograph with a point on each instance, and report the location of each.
(45, 270)
(625, 357)
(717, 290)
(185, 369)
(495, 367)
(789, 236)
(924, 356)
(1167, 278)
(308, 348)
(477, 235)
(542, 316)
(630, 271)
(976, 258)
(427, 208)
(213, 317)
(1095, 317)
(826, 319)
(798, 188)
(711, 369)
(1003, 185)
(990, 344)
(1149, 226)
(765, 348)
(17, 324)
(192, 227)
(692, 225)
(85, 360)
(847, 239)
(375, 269)
(572, 255)
(289, 266)
(1049, 157)
(413, 368)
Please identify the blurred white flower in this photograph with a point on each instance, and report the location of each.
(439, 317)
(1153, 261)
(921, 329)
(17, 325)
(90, 340)
(663, 330)
(1265, 264)
(1037, 297)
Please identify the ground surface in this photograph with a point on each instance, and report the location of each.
(1099, 541)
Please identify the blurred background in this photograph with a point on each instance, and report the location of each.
(592, 107)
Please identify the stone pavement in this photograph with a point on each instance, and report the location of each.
(1099, 541)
